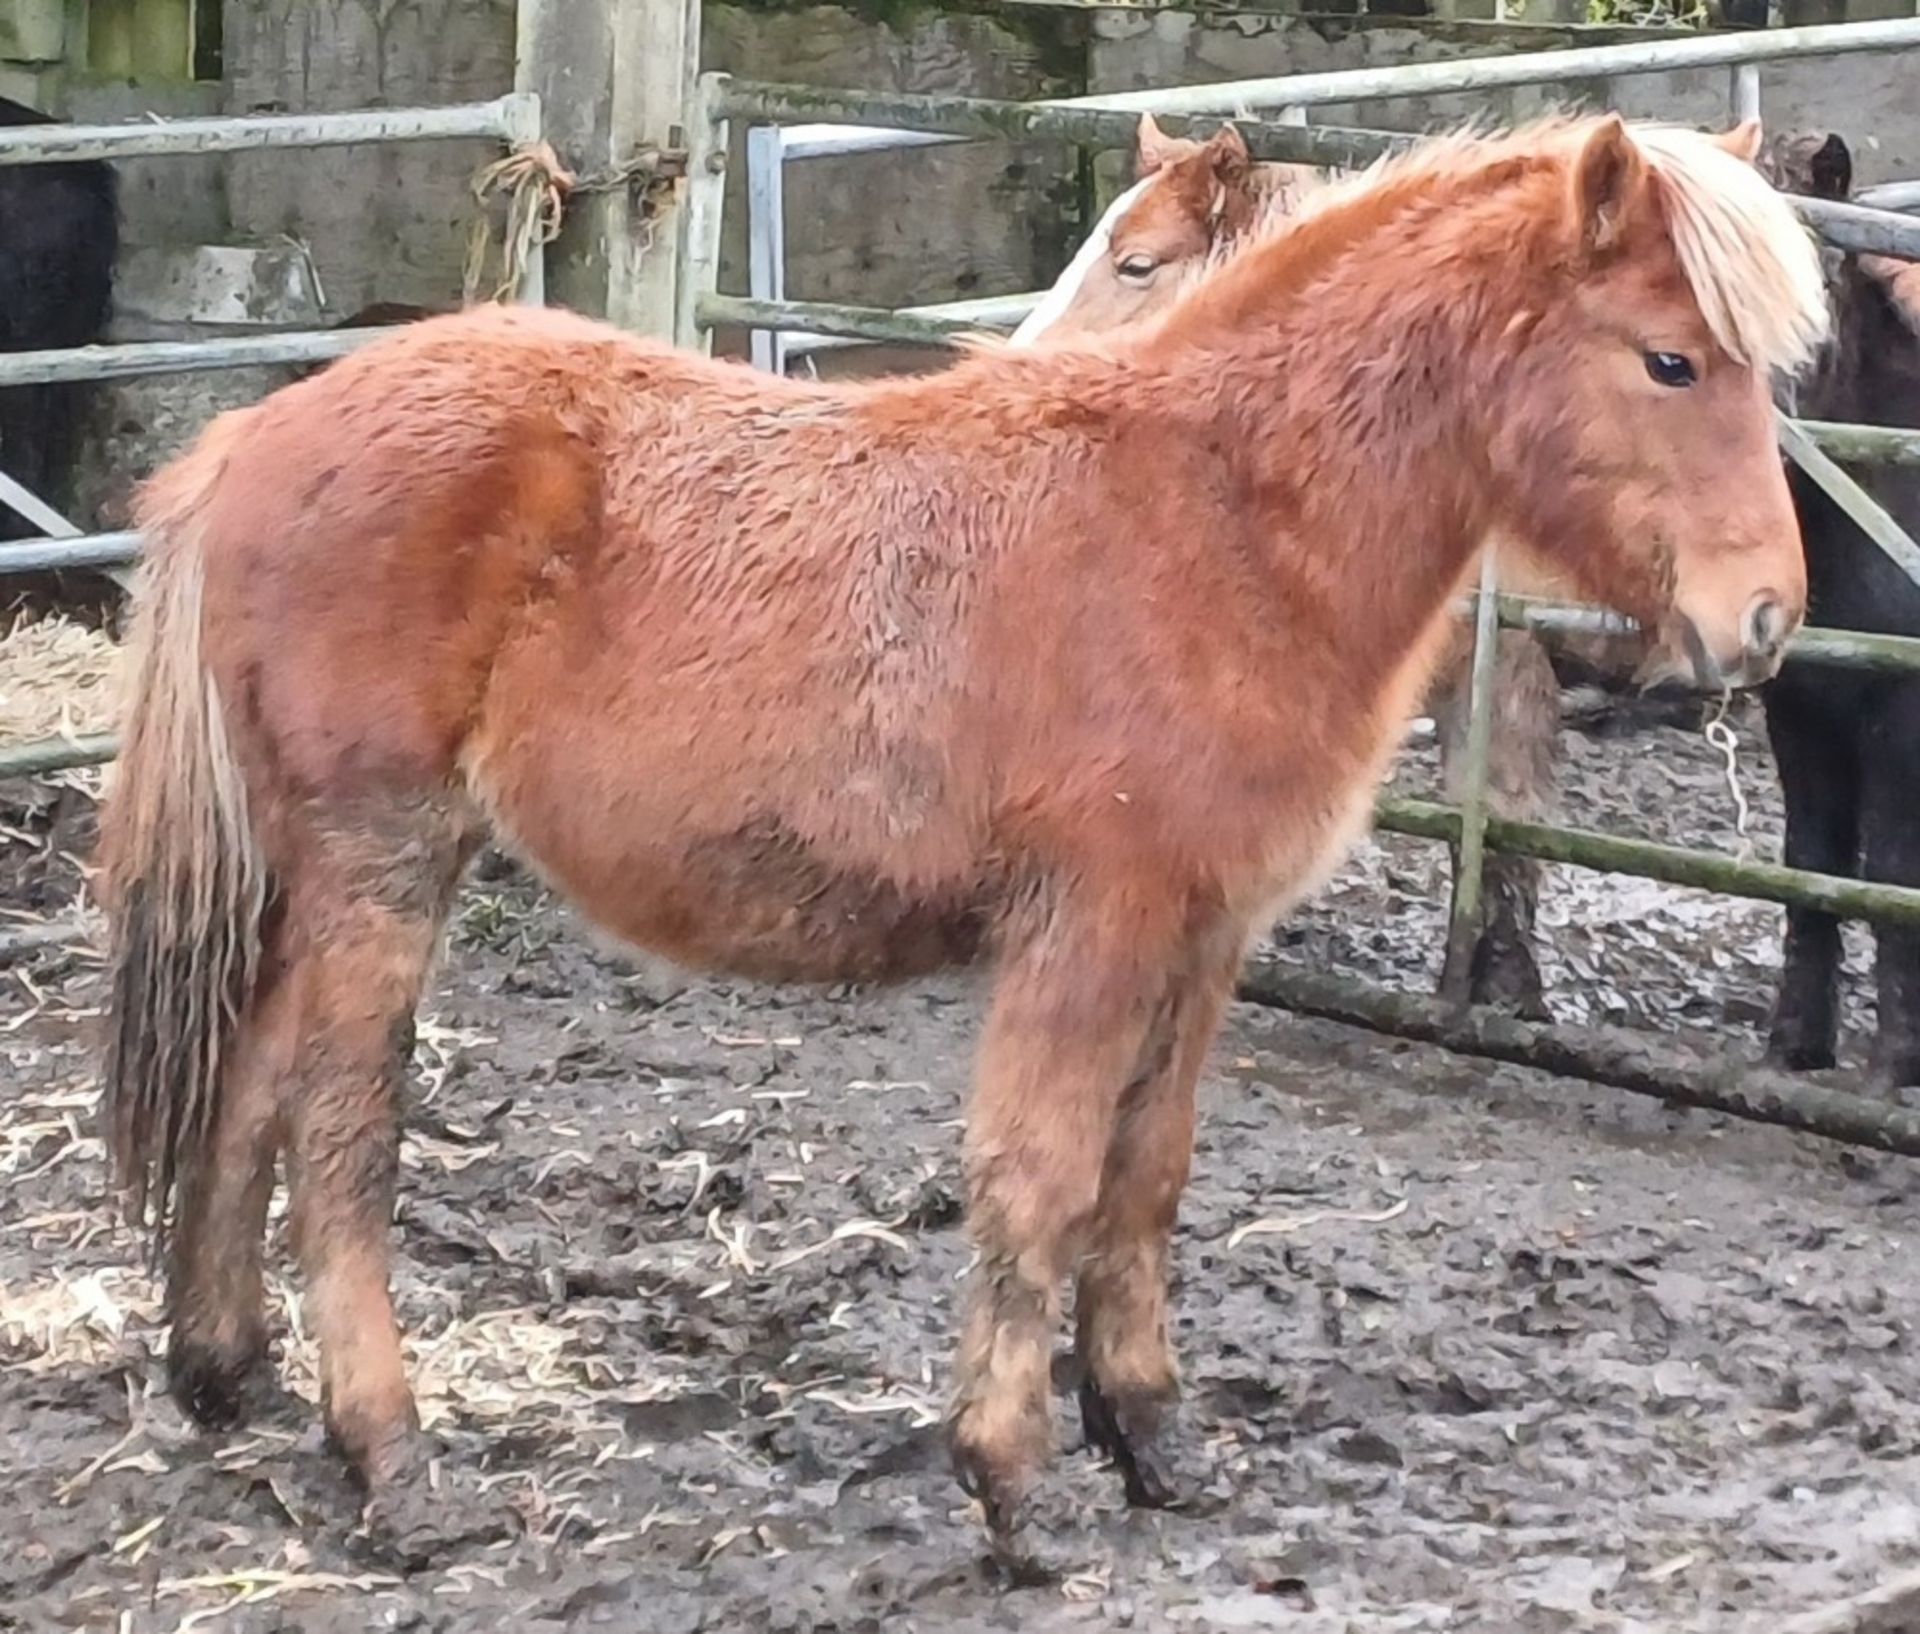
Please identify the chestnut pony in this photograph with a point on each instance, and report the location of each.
(1192, 201)
(1080, 660)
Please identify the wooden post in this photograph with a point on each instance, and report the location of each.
(615, 80)
(697, 276)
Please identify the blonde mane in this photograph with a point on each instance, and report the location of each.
(1752, 266)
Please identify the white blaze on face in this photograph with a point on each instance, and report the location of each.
(1054, 303)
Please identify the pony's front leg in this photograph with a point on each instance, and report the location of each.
(1129, 1376)
(1070, 1015)
(359, 980)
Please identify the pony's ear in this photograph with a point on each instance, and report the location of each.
(1743, 141)
(1153, 147)
(1228, 153)
(1831, 167)
(1609, 179)
(1900, 281)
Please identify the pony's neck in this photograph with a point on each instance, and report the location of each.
(1356, 399)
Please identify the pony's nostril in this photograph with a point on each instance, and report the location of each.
(1767, 627)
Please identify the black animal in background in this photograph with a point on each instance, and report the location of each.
(1847, 741)
(59, 235)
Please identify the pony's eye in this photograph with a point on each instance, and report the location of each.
(1138, 267)
(1670, 369)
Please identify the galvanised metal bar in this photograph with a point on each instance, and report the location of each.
(1245, 98)
(766, 102)
(1520, 68)
(54, 526)
(980, 313)
(1890, 196)
(57, 754)
(53, 555)
(1863, 510)
(504, 118)
(179, 357)
(833, 318)
(1860, 228)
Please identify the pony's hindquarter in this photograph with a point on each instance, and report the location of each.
(188, 894)
(279, 849)
(183, 879)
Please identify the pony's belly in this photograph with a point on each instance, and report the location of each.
(761, 904)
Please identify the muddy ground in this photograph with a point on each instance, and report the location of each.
(1467, 1347)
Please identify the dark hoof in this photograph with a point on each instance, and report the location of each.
(1793, 1056)
(1508, 980)
(217, 1389)
(1128, 1433)
(1894, 1073)
(1523, 1004)
(999, 1499)
(1013, 1567)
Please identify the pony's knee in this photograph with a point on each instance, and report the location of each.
(1029, 1215)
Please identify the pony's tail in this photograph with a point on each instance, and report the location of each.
(182, 876)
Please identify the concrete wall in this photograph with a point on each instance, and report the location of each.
(382, 223)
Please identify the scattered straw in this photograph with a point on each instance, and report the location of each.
(252, 1588)
(57, 679)
(73, 1323)
(872, 1230)
(511, 1368)
(1282, 1225)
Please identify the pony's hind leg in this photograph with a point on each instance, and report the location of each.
(1070, 1015)
(1129, 1376)
(367, 910)
(215, 1297)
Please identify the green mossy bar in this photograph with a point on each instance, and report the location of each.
(1623, 1059)
(1864, 445)
(1672, 864)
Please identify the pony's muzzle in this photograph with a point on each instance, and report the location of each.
(1753, 656)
